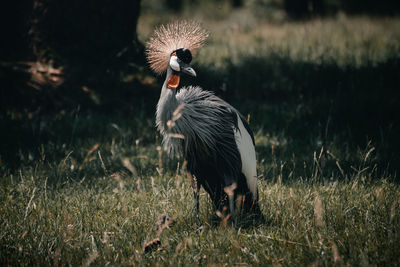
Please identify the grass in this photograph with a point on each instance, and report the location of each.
(108, 220)
(82, 204)
(84, 186)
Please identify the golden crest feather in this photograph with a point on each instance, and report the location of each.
(175, 35)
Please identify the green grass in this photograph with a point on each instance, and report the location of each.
(108, 218)
(81, 186)
(77, 203)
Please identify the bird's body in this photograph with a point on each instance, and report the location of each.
(213, 137)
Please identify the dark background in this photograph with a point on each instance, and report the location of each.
(63, 55)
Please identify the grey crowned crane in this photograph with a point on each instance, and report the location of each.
(212, 136)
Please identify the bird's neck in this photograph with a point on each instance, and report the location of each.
(167, 102)
(171, 82)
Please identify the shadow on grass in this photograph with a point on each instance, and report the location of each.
(310, 105)
(315, 105)
(83, 108)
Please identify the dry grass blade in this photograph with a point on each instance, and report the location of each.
(163, 222)
(177, 112)
(318, 212)
(93, 149)
(175, 135)
(336, 255)
(102, 162)
(29, 203)
(225, 219)
(194, 184)
(127, 164)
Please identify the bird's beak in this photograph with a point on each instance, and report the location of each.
(188, 70)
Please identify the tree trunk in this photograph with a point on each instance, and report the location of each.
(14, 45)
(94, 31)
(88, 44)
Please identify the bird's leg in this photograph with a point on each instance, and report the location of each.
(230, 191)
(196, 188)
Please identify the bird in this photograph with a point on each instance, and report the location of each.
(212, 136)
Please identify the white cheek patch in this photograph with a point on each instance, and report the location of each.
(247, 155)
(173, 63)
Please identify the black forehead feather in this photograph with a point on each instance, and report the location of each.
(184, 55)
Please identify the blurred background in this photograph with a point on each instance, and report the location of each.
(312, 75)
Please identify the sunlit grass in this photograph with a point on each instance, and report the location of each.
(345, 41)
(108, 220)
(341, 40)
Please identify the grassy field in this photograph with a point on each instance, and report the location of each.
(87, 186)
(109, 221)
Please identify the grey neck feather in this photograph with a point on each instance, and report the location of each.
(166, 104)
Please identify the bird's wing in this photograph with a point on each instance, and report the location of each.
(206, 122)
(245, 144)
(247, 127)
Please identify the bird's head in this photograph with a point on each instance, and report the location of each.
(180, 60)
(179, 63)
(172, 45)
